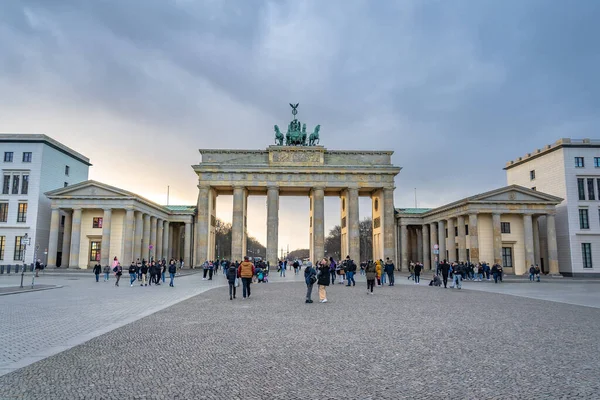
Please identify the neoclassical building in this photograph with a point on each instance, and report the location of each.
(501, 226)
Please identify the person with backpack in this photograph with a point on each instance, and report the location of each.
(371, 273)
(389, 270)
(132, 273)
(106, 271)
(310, 277)
(531, 273)
(350, 271)
(97, 269)
(118, 272)
(246, 271)
(537, 272)
(232, 275)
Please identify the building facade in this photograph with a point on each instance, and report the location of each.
(31, 166)
(500, 226)
(569, 169)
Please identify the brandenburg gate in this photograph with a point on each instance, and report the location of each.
(297, 167)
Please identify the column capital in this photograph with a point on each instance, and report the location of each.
(318, 188)
(105, 209)
(55, 208)
(77, 208)
(243, 187)
(273, 187)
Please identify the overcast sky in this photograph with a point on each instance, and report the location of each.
(455, 88)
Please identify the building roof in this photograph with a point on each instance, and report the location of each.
(559, 144)
(412, 210)
(40, 138)
(181, 208)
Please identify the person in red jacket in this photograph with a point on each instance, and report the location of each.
(246, 271)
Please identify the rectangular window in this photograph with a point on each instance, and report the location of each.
(19, 249)
(3, 212)
(504, 227)
(2, 245)
(15, 187)
(455, 231)
(584, 222)
(581, 188)
(446, 233)
(507, 260)
(466, 229)
(26, 156)
(62, 220)
(6, 184)
(22, 213)
(95, 248)
(8, 156)
(586, 254)
(591, 193)
(532, 174)
(67, 170)
(25, 184)
(97, 222)
(579, 162)
(597, 162)
(598, 185)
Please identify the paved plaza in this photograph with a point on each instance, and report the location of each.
(406, 341)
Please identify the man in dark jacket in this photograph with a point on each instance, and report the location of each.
(418, 268)
(323, 280)
(132, 273)
(310, 277)
(97, 269)
(232, 274)
(144, 270)
(389, 270)
(444, 267)
(350, 271)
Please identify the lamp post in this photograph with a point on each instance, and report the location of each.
(24, 242)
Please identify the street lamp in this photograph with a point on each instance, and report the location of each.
(24, 242)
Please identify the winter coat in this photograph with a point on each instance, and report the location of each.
(323, 277)
(106, 269)
(246, 270)
(389, 267)
(378, 269)
(132, 269)
(371, 271)
(232, 273)
(172, 268)
(308, 273)
(97, 269)
(418, 269)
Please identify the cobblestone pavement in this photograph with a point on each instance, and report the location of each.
(38, 324)
(407, 341)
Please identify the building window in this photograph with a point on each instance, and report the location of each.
(466, 229)
(591, 193)
(534, 188)
(507, 260)
(581, 188)
(97, 222)
(25, 184)
(67, 170)
(455, 231)
(19, 249)
(8, 156)
(15, 186)
(66, 184)
(62, 220)
(504, 227)
(532, 174)
(586, 254)
(2, 245)
(95, 249)
(446, 233)
(26, 156)
(6, 184)
(3, 212)
(597, 162)
(22, 213)
(579, 162)
(584, 222)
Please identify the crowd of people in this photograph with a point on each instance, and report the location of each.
(146, 273)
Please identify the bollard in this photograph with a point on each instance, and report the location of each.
(8, 269)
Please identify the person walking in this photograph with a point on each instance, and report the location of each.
(371, 272)
(378, 272)
(231, 275)
(411, 269)
(350, 271)
(389, 270)
(495, 272)
(172, 272)
(144, 269)
(39, 266)
(246, 271)
(333, 269)
(383, 274)
(163, 270)
(310, 277)
(323, 276)
(418, 268)
(445, 270)
(97, 269)
(132, 273)
(457, 273)
(106, 271)
(118, 272)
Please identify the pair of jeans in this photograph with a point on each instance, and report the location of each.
(163, 276)
(97, 277)
(445, 279)
(391, 278)
(332, 273)
(309, 288)
(232, 289)
(531, 277)
(417, 278)
(350, 278)
(370, 284)
(457, 280)
(106, 275)
(246, 286)
(132, 277)
(282, 272)
(383, 278)
(172, 277)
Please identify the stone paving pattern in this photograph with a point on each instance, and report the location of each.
(403, 342)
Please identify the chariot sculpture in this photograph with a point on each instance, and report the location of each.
(296, 134)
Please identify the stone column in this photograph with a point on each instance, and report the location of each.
(497, 234)
(187, 244)
(128, 238)
(473, 238)
(433, 238)
(536, 240)
(105, 258)
(419, 238)
(272, 224)
(66, 248)
(528, 244)
(388, 223)
(146, 238)
(75, 238)
(153, 237)
(53, 237)
(159, 238)
(451, 241)
(552, 246)
(137, 237)
(462, 238)
(353, 227)
(318, 224)
(237, 224)
(165, 242)
(426, 247)
(442, 239)
(404, 246)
